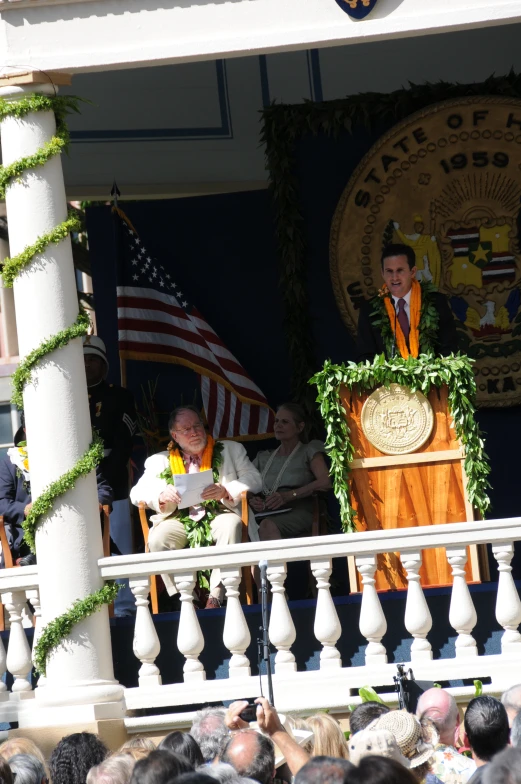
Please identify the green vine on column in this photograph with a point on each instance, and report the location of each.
(56, 631)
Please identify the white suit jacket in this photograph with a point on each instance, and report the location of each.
(236, 473)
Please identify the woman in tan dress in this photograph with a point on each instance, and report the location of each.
(290, 475)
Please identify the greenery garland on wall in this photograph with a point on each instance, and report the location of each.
(283, 125)
(52, 635)
(417, 374)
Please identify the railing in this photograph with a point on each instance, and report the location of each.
(329, 686)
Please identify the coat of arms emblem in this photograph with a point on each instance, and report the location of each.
(357, 9)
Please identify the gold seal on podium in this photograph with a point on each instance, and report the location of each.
(397, 421)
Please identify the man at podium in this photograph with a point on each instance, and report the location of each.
(406, 318)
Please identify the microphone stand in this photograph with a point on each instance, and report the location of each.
(263, 565)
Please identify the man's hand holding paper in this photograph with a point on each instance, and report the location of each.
(191, 487)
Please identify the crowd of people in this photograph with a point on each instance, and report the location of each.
(383, 746)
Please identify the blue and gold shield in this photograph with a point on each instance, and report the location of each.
(357, 9)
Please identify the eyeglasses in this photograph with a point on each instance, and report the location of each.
(185, 431)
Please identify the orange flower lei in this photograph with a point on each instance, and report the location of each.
(414, 333)
(177, 465)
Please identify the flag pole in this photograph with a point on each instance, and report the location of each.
(115, 193)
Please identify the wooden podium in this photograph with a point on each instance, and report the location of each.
(427, 487)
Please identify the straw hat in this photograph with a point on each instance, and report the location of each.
(408, 733)
(379, 742)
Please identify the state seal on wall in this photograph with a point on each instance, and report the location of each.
(446, 182)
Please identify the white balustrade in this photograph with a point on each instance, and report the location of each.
(508, 606)
(236, 635)
(190, 640)
(146, 642)
(462, 615)
(19, 661)
(33, 596)
(281, 630)
(418, 619)
(372, 619)
(4, 694)
(327, 625)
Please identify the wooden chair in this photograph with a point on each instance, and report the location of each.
(247, 581)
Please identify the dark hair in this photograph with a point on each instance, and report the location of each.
(397, 249)
(175, 413)
(194, 777)
(486, 725)
(183, 743)
(364, 714)
(160, 767)
(74, 756)
(6, 776)
(380, 770)
(299, 415)
(263, 763)
(324, 770)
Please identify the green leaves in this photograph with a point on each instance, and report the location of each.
(422, 373)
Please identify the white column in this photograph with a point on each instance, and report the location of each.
(281, 630)
(146, 644)
(19, 661)
(190, 640)
(372, 619)
(462, 615)
(418, 620)
(7, 311)
(236, 635)
(327, 625)
(508, 606)
(80, 671)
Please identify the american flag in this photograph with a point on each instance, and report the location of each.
(157, 323)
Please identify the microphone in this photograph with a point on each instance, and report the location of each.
(393, 347)
(263, 566)
(265, 642)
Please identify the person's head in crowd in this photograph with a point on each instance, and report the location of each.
(6, 775)
(441, 709)
(299, 723)
(379, 770)
(515, 731)
(185, 744)
(27, 769)
(381, 743)
(505, 768)
(252, 755)
(160, 767)
(95, 359)
(194, 777)
(329, 740)
(74, 756)
(364, 714)
(222, 772)
(486, 728)
(210, 732)
(511, 699)
(22, 746)
(324, 770)
(410, 739)
(116, 769)
(138, 743)
(290, 423)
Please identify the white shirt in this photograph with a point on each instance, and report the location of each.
(407, 306)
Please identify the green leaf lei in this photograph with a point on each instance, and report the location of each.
(55, 631)
(427, 328)
(417, 374)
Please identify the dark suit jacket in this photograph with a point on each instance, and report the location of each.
(369, 340)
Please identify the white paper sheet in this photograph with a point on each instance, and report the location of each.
(190, 486)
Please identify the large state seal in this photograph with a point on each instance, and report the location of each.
(397, 421)
(447, 182)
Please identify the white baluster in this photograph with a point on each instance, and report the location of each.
(190, 640)
(33, 596)
(508, 606)
(19, 661)
(146, 645)
(236, 635)
(327, 626)
(4, 694)
(462, 615)
(372, 619)
(281, 631)
(418, 620)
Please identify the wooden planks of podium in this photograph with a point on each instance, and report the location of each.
(427, 487)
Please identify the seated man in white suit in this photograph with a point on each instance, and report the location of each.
(193, 450)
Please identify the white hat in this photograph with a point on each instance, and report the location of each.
(379, 742)
(92, 344)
